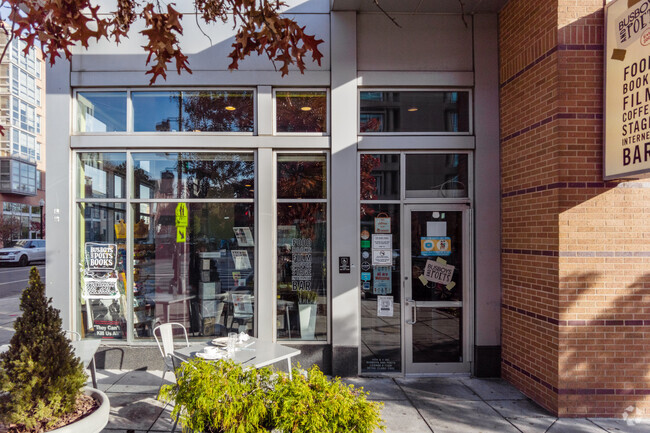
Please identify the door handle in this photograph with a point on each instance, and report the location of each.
(411, 304)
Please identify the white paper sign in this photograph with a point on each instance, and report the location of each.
(244, 236)
(381, 257)
(240, 257)
(436, 228)
(384, 306)
(382, 242)
(438, 272)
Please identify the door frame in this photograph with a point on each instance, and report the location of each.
(428, 369)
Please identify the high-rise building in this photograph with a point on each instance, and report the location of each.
(22, 147)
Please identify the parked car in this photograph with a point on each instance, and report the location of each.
(23, 252)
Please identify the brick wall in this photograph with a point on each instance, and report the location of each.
(576, 250)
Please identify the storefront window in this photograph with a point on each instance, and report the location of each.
(380, 178)
(437, 175)
(102, 278)
(101, 111)
(194, 175)
(195, 111)
(101, 175)
(302, 248)
(301, 111)
(414, 111)
(198, 271)
(380, 288)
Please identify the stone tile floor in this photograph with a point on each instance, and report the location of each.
(422, 405)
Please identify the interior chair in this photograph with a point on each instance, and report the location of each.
(72, 335)
(166, 345)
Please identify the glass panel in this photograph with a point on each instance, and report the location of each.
(414, 111)
(202, 175)
(101, 175)
(102, 279)
(437, 335)
(201, 275)
(380, 177)
(222, 111)
(301, 111)
(101, 111)
(380, 289)
(302, 271)
(436, 175)
(436, 238)
(302, 176)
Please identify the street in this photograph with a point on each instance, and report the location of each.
(12, 282)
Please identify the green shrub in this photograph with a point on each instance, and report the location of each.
(40, 376)
(222, 397)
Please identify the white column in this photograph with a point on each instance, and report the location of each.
(344, 195)
(59, 206)
(265, 240)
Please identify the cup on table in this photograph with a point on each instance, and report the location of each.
(233, 338)
(211, 350)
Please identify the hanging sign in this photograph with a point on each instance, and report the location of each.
(438, 272)
(240, 257)
(100, 257)
(382, 223)
(382, 280)
(244, 236)
(435, 246)
(181, 215)
(384, 306)
(181, 234)
(382, 242)
(627, 89)
(381, 257)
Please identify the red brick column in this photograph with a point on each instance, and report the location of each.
(576, 249)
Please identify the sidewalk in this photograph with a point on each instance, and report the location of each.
(423, 405)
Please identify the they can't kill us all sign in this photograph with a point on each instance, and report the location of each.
(627, 89)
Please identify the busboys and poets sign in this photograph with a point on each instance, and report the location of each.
(627, 89)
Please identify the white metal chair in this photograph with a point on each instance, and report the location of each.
(72, 335)
(166, 345)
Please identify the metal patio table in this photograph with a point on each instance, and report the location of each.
(254, 352)
(85, 350)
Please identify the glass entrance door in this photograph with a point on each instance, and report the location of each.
(436, 289)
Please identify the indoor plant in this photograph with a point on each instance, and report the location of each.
(224, 397)
(40, 377)
(307, 300)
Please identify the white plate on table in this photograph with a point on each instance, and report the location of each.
(210, 356)
(220, 341)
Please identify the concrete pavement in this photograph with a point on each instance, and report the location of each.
(422, 405)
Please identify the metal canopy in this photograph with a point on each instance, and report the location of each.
(420, 6)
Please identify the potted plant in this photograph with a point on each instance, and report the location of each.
(307, 300)
(225, 397)
(41, 379)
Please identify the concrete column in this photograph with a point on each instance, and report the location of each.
(487, 202)
(60, 206)
(344, 195)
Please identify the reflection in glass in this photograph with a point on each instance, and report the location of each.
(302, 176)
(445, 226)
(196, 111)
(380, 334)
(302, 271)
(203, 276)
(437, 335)
(202, 175)
(101, 111)
(414, 111)
(102, 277)
(436, 175)
(301, 111)
(101, 175)
(380, 177)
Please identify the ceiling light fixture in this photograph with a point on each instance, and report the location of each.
(230, 108)
(413, 109)
(305, 108)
